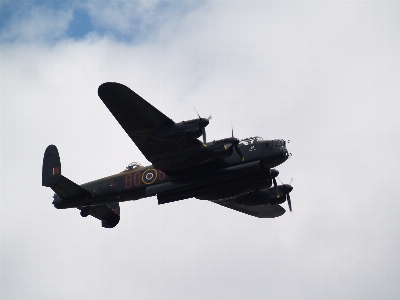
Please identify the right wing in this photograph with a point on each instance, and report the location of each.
(141, 120)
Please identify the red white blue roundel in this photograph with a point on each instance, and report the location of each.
(149, 176)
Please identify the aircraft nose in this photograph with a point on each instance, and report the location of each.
(287, 153)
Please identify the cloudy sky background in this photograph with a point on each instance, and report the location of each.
(325, 75)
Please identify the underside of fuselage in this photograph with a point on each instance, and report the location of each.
(220, 186)
(234, 187)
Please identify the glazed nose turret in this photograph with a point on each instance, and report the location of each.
(276, 153)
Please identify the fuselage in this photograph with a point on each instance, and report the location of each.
(217, 179)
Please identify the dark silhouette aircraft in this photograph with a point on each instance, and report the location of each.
(232, 173)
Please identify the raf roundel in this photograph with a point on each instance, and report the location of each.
(149, 176)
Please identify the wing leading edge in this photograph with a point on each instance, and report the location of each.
(136, 116)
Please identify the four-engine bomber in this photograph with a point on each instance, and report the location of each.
(236, 174)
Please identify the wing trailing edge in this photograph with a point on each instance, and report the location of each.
(259, 211)
(135, 115)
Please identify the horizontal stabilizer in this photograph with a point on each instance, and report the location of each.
(52, 178)
(108, 214)
(67, 189)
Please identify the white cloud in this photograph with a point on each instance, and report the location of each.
(123, 16)
(37, 24)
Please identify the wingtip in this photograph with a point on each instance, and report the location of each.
(107, 85)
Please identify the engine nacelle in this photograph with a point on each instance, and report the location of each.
(186, 130)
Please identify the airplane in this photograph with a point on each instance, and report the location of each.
(237, 174)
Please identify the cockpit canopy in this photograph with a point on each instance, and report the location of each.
(251, 140)
(133, 165)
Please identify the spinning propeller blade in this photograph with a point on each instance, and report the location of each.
(287, 188)
(196, 112)
(239, 152)
(289, 202)
(237, 147)
(276, 187)
(203, 123)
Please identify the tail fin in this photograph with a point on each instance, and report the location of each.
(66, 190)
(52, 178)
(51, 171)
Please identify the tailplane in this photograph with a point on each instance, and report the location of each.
(52, 178)
(108, 214)
(68, 192)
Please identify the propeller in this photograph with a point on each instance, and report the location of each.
(276, 187)
(202, 125)
(237, 147)
(274, 173)
(203, 132)
(287, 188)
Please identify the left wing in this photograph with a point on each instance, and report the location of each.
(138, 117)
(259, 211)
(141, 120)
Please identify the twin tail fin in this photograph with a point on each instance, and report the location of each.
(52, 178)
(66, 190)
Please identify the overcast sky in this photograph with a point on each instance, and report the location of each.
(325, 75)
